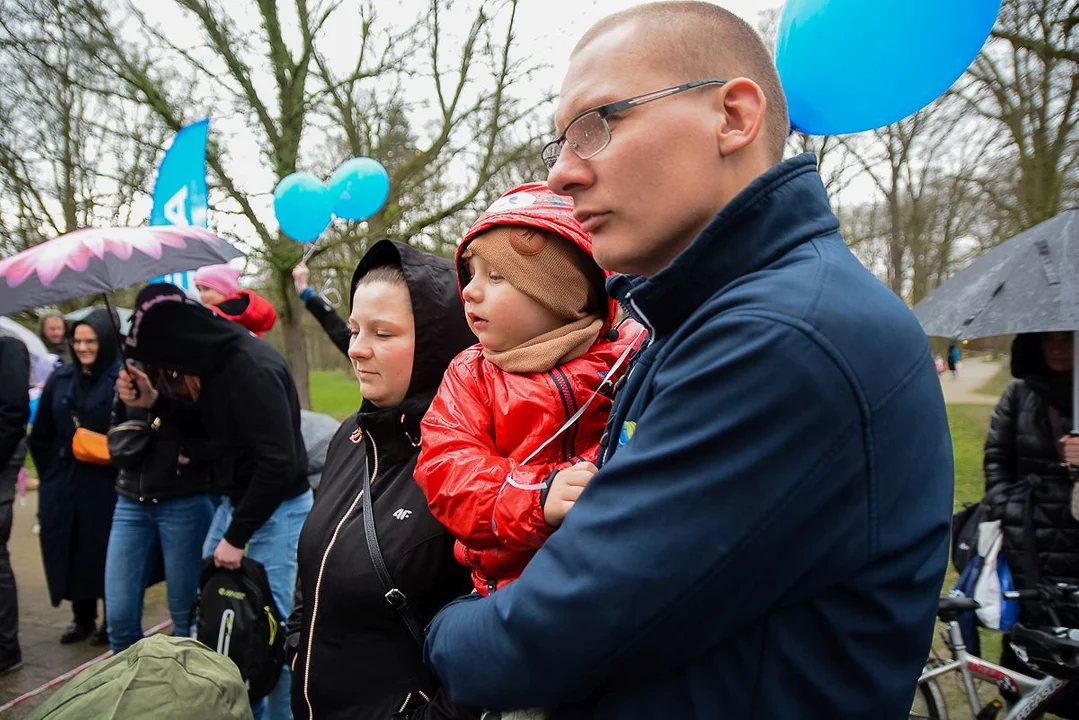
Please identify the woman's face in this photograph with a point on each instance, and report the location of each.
(383, 342)
(1058, 349)
(86, 345)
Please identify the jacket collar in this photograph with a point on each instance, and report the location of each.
(781, 209)
(396, 431)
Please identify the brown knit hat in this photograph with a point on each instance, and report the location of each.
(548, 268)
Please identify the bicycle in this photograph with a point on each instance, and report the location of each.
(1053, 650)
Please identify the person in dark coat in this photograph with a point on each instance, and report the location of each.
(14, 413)
(163, 509)
(773, 497)
(249, 409)
(352, 654)
(1025, 453)
(336, 328)
(76, 499)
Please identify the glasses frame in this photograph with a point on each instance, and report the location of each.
(553, 150)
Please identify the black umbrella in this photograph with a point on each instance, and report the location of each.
(1027, 284)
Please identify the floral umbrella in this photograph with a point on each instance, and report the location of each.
(101, 260)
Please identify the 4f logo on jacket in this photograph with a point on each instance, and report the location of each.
(401, 513)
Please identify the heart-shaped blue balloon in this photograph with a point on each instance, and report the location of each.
(303, 206)
(359, 187)
(853, 65)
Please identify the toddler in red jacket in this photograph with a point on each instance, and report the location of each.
(536, 300)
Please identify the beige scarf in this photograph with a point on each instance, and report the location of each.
(542, 353)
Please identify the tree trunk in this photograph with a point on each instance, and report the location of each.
(295, 344)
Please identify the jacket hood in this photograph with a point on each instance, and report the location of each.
(105, 325)
(1028, 364)
(171, 331)
(249, 309)
(441, 328)
(532, 205)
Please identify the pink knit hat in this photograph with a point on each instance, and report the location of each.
(223, 278)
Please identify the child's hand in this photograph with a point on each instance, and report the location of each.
(566, 487)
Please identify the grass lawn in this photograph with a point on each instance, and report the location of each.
(334, 392)
(996, 384)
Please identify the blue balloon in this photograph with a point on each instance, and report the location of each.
(303, 206)
(853, 65)
(359, 188)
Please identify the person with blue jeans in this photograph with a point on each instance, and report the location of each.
(250, 410)
(163, 511)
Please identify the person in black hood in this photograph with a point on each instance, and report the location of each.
(1025, 453)
(353, 654)
(249, 410)
(76, 498)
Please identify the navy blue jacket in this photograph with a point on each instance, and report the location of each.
(768, 533)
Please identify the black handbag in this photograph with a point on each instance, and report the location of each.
(129, 442)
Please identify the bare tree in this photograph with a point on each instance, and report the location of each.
(276, 72)
(1027, 83)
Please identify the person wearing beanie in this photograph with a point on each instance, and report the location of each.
(215, 283)
(498, 466)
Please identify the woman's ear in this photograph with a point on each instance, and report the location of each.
(742, 105)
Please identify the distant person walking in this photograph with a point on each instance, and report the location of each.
(953, 359)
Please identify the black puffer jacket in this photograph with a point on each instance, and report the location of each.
(1023, 462)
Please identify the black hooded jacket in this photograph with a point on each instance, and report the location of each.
(352, 655)
(1023, 463)
(248, 406)
(14, 400)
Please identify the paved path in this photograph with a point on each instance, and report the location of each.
(40, 624)
(973, 374)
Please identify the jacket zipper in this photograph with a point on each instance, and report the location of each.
(318, 581)
(570, 440)
(566, 394)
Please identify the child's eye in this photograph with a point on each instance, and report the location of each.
(494, 277)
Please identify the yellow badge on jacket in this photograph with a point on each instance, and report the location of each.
(628, 428)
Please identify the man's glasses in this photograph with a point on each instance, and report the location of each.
(588, 133)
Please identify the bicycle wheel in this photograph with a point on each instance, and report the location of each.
(928, 702)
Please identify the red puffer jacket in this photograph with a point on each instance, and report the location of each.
(484, 422)
(249, 309)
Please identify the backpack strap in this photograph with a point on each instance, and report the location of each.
(394, 596)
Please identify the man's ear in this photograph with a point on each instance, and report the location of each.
(743, 106)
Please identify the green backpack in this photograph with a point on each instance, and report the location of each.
(161, 677)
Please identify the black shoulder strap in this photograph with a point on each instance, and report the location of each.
(394, 596)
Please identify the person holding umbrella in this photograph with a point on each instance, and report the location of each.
(1028, 452)
(77, 493)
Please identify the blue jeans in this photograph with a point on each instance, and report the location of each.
(273, 545)
(175, 528)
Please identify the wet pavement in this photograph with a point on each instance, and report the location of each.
(40, 624)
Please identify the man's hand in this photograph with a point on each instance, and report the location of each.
(1071, 450)
(300, 276)
(566, 487)
(227, 556)
(125, 388)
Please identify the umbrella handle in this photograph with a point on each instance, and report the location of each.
(113, 316)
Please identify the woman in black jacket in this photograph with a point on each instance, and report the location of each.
(1029, 486)
(353, 654)
(163, 510)
(76, 498)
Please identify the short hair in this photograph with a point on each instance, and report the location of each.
(698, 40)
(389, 274)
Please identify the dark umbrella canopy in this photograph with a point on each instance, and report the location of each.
(1027, 284)
(102, 260)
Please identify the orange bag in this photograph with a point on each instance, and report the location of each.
(90, 447)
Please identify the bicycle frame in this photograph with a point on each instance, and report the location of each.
(1033, 693)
